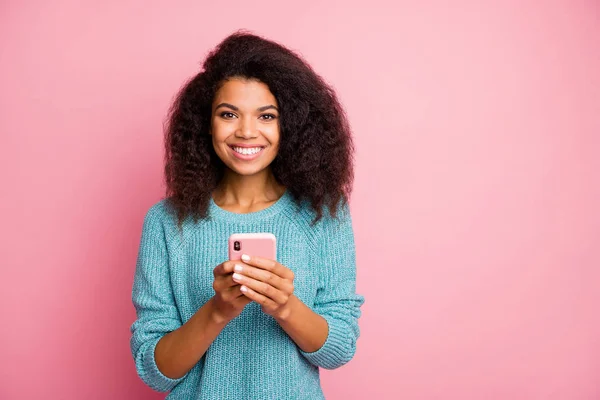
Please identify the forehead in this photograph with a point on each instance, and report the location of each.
(244, 92)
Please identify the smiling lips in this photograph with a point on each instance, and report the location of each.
(246, 153)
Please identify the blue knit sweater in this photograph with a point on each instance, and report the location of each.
(253, 357)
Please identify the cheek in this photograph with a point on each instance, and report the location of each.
(273, 137)
(219, 128)
(218, 136)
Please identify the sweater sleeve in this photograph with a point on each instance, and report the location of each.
(336, 299)
(153, 301)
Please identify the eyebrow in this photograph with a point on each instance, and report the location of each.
(261, 109)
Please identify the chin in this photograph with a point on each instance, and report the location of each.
(246, 171)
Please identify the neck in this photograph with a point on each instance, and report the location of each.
(248, 190)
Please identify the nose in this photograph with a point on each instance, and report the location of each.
(246, 128)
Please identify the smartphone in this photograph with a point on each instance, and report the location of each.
(253, 244)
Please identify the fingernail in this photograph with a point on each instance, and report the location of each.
(245, 257)
(237, 268)
(237, 277)
(243, 288)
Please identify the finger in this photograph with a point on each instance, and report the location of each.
(223, 282)
(224, 285)
(264, 276)
(225, 268)
(219, 270)
(261, 288)
(268, 265)
(235, 289)
(257, 297)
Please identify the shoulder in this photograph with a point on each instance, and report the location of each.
(158, 213)
(161, 218)
(304, 216)
(329, 217)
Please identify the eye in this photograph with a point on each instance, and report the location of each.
(227, 115)
(268, 117)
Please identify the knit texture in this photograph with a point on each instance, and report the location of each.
(253, 357)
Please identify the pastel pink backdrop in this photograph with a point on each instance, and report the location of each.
(475, 204)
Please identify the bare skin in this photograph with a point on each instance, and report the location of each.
(244, 114)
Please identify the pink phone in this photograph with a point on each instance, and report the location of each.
(254, 244)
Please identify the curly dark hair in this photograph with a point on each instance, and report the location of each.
(315, 157)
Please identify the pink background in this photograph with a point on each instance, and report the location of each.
(475, 206)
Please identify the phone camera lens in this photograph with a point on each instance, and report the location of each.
(236, 246)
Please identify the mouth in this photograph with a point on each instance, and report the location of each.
(246, 153)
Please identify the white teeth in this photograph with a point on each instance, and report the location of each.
(247, 150)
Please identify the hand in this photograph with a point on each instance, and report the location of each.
(266, 282)
(228, 301)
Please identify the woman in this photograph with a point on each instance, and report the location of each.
(256, 142)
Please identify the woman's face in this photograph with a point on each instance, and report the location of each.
(245, 125)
